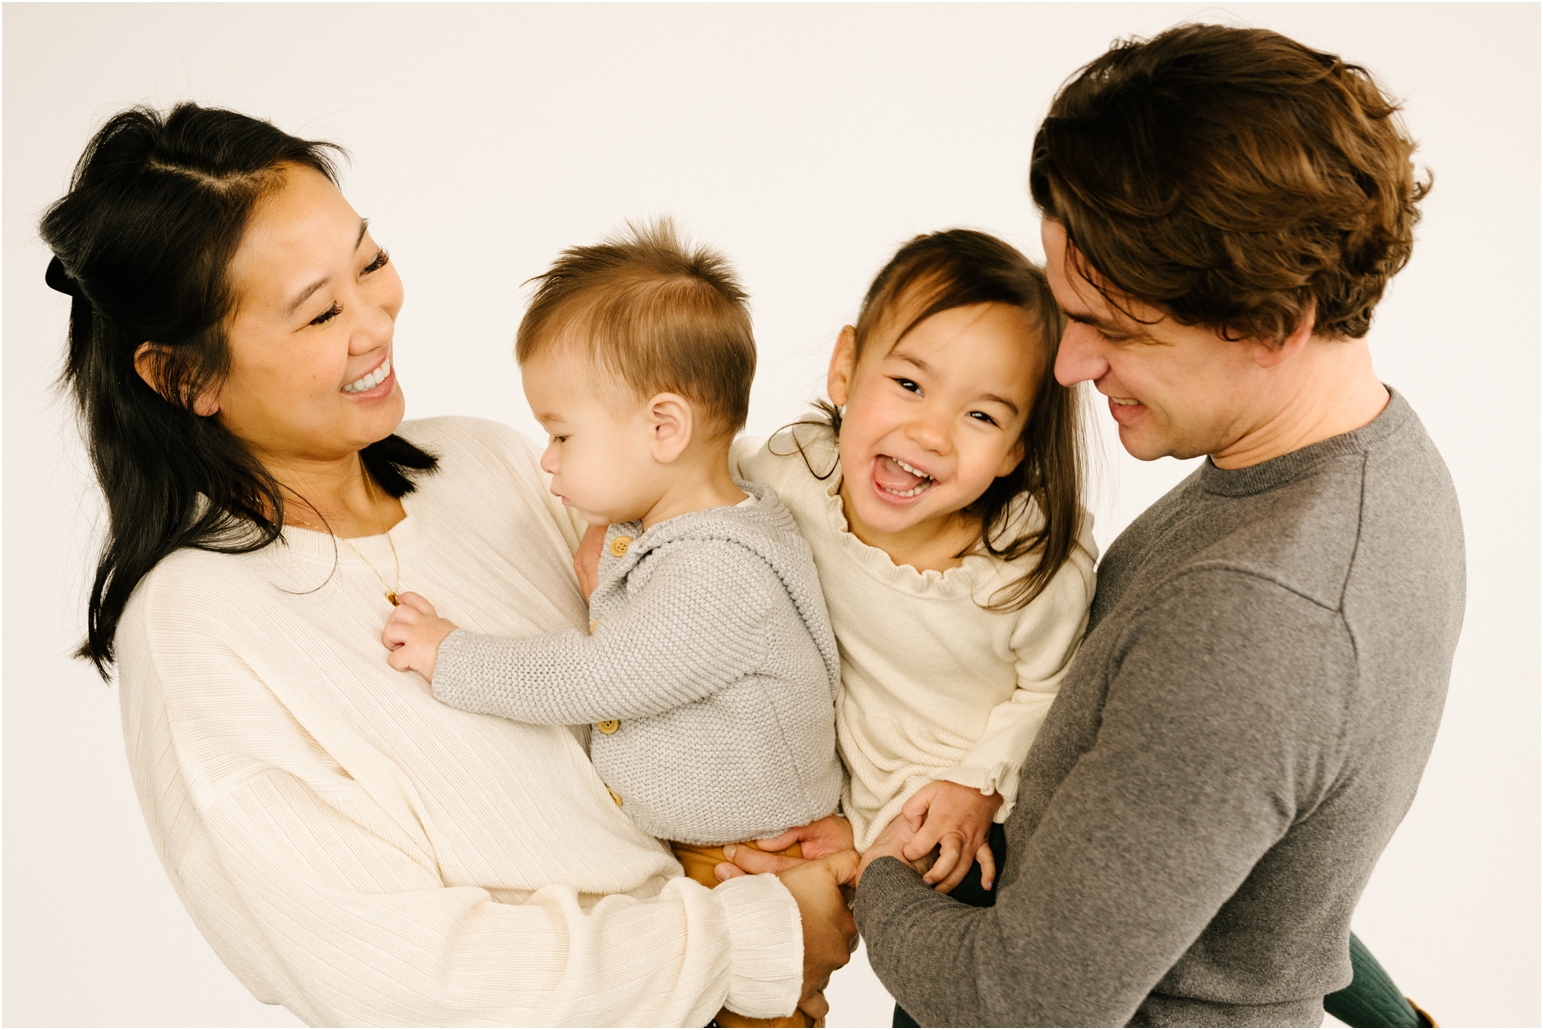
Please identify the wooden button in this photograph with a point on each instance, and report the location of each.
(592, 626)
(608, 727)
(620, 544)
(614, 796)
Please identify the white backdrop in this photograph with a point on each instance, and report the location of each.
(807, 142)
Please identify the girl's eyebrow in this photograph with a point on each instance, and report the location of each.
(1009, 405)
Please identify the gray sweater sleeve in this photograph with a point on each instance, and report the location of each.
(1223, 719)
(683, 635)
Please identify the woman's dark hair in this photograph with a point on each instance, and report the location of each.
(143, 243)
(954, 269)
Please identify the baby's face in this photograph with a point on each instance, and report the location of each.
(598, 450)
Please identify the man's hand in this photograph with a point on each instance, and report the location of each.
(892, 842)
(816, 840)
(413, 635)
(955, 820)
(586, 560)
(830, 933)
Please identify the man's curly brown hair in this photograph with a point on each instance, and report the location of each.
(1232, 178)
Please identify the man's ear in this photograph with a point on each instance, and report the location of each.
(670, 425)
(150, 363)
(1268, 357)
(843, 360)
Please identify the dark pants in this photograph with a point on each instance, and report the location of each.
(1372, 999)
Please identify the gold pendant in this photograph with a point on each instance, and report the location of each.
(391, 596)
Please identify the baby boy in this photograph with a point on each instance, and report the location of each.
(709, 670)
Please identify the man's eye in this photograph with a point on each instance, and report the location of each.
(328, 315)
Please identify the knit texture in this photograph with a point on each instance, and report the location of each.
(366, 856)
(934, 686)
(1243, 729)
(710, 672)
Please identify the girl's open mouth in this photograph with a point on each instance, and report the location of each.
(898, 479)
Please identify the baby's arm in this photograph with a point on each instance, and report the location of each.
(695, 626)
(955, 819)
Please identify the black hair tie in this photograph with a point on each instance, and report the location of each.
(58, 279)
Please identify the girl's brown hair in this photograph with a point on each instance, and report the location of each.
(954, 269)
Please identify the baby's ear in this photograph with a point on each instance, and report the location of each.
(843, 360)
(150, 363)
(671, 421)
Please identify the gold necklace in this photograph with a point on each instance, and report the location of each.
(391, 592)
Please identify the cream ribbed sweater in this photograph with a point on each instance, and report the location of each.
(933, 686)
(364, 855)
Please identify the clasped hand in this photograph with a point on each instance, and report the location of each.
(413, 635)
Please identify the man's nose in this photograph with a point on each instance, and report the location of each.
(1079, 357)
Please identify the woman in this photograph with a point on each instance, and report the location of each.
(349, 847)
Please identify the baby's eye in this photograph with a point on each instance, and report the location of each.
(907, 384)
(328, 315)
(559, 439)
(381, 260)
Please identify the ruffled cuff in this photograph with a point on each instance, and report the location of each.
(1000, 778)
(766, 969)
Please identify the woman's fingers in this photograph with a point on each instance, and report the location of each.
(754, 860)
(727, 871)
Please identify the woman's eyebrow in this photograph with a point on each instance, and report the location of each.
(303, 295)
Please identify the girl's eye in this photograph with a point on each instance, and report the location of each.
(907, 384)
(981, 416)
(328, 315)
(381, 260)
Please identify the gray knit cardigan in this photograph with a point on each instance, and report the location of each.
(709, 674)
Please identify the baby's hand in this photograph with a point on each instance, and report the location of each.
(586, 560)
(413, 635)
(954, 819)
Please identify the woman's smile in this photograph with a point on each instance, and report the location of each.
(376, 383)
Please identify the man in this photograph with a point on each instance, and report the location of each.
(1268, 652)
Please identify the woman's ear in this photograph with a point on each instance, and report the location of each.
(150, 363)
(670, 424)
(843, 361)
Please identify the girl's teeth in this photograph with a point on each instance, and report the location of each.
(913, 471)
(370, 380)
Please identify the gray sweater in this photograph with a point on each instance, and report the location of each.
(709, 674)
(1245, 725)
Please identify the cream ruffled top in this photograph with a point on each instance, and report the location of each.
(933, 685)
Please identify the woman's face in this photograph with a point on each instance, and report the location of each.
(310, 337)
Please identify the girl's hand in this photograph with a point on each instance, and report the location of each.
(586, 560)
(816, 840)
(955, 820)
(413, 635)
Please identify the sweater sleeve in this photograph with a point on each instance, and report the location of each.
(1044, 640)
(327, 898)
(1221, 721)
(696, 625)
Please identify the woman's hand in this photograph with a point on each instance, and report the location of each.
(815, 840)
(586, 560)
(413, 635)
(830, 933)
(954, 819)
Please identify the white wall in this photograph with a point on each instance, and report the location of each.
(807, 142)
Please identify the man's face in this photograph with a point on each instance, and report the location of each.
(1175, 390)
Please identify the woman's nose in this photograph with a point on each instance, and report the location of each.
(375, 327)
(1079, 357)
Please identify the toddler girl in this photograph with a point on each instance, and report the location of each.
(939, 491)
